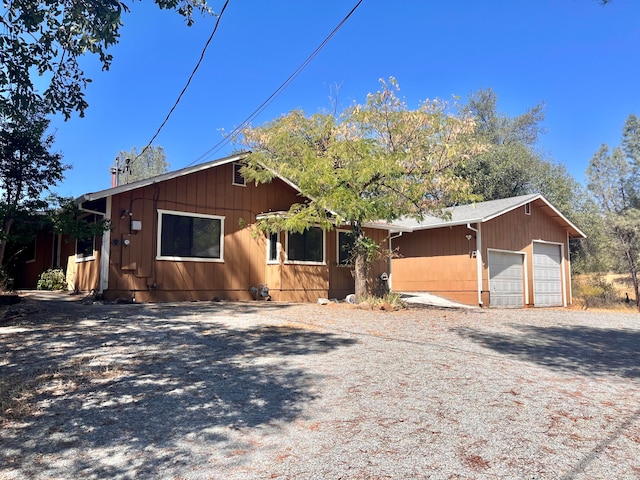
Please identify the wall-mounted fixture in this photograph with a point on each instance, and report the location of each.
(136, 225)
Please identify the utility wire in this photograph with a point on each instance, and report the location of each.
(278, 91)
(195, 69)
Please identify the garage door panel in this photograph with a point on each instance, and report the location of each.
(547, 275)
(506, 279)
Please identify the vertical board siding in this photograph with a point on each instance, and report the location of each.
(134, 268)
(436, 261)
(516, 231)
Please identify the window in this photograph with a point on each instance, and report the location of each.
(30, 251)
(345, 246)
(307, 246)
(527, 208)
(273, 250)
(188, 236)
(86, 247)
(238, 179)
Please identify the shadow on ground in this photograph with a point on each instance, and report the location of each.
(583, 350)
(144, 384)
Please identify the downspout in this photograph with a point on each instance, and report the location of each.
(568, 298)
(478, 258)
(391, 237)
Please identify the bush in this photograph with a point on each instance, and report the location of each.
(52, 279)
(389, 301)
(594, 291)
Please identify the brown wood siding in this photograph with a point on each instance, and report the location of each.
(29, 273)
(439, 260)
(83, 276)
(436, 261)
(134, 267)
(516, 231)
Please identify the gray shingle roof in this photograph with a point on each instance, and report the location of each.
(481, 212)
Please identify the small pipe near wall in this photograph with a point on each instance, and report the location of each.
(478, 259)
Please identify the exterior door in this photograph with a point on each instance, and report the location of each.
(506, 279)
(547, 275)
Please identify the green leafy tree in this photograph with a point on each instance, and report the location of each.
(138, 166)
(27, 168)
(375, 161)
(610, 177)
(513, 165)
(47, 40)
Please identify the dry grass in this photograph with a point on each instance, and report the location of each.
(604, 292)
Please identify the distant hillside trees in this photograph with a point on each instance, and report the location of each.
(136, 166)
(614, 183)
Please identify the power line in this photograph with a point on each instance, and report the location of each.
(279, 90)
(195, 69)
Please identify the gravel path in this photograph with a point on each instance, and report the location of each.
(265, 390)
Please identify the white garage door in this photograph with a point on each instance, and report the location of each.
(506, 279)
(547, 275)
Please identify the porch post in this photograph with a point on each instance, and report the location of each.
(104, 252)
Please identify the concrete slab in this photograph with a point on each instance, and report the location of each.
(426, 298)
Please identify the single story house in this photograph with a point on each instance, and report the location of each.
(512, 252)
(188, 235)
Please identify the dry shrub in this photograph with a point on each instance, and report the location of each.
(595, 291)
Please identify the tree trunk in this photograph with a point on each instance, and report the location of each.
(633, 267)
(6, 229)
(360, 263)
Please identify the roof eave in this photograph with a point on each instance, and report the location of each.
(87, 197)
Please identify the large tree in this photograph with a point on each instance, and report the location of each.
(28, 168)
(375, 161)
(136, 166)
(513, 164)
(47, 40)
(610, 175)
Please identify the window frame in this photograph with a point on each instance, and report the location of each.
(175, 258)
(236, 174)
(338, 262)
(527, 208)
(276, 260)
(307, 262)
(92, 256)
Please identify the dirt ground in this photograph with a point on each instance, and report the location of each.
(268, 390)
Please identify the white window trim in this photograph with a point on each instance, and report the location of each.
(90, 257)
(338, 231)
(527, 208)
(301, 262)
(159, 255)
(275, 261)
(233, 176)
(93, 255)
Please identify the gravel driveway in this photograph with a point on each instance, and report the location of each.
(267, 390)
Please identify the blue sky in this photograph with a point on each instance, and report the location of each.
(581, 59)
